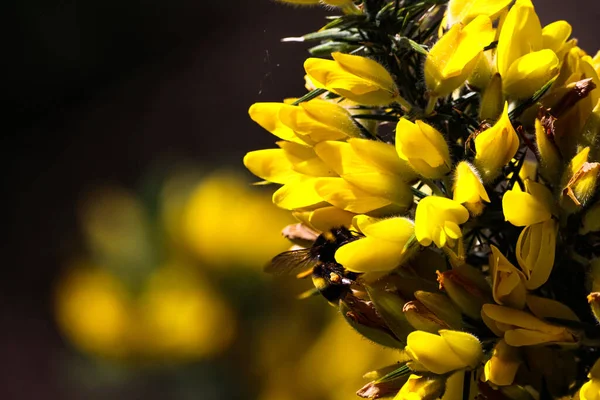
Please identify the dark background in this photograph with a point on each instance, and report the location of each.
(102, 90)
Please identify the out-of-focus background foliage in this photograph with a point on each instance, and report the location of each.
(133, 243)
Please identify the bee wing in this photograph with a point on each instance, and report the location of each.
(291, 262)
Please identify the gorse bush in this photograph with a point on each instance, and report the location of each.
(443, 168)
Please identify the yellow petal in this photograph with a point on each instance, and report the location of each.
(304, 159)
(465, 10)
(521, 208)
(299, 193)
(535, 252)
(271, 165)
(267, 116)
(395, 229)
(370, 254)
(383, 156)
(521, 33)
(529, 73)
(348, 197)
(555, 35)
(366, 69)
(502, 368)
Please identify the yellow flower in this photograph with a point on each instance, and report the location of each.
(437, 220)
(537, 242)
(92, 309)
(508, 283)
(362, 177)
(522, 61)
(443, 353)
(423, 147)
(535, 252)
(419, 387)
(453, 58)
(502, 367)
(528, 208)
(591, 389)
(387, 243)
(466, 10)
(317, 120)
(495, 147)
(519, 328)
(267, 116)
(357, 78)
(468, 188)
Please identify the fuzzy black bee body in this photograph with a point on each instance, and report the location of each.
(329, 277)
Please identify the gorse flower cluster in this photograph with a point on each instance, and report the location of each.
(443, 168)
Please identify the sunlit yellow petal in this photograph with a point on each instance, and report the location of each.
(271, 165)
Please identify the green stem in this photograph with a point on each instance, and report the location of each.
(430, 105)
(403, 103)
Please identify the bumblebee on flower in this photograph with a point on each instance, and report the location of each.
(375, 149)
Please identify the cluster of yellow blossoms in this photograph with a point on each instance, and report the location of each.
(482, 179)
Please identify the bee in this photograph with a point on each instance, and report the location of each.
(330, 278)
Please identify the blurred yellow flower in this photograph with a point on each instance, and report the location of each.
(357, 78)
(226, 223)
(93, 310)
(437, 220)
(176, 317)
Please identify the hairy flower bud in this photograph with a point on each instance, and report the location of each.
(423, 147)
(495, 147)
(443, 353)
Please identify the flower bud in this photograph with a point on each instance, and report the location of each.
(442, 307)
(357, 78)
(550, 159)
(467, 288)
(492, 100)
(437, 220)
(362, 316)
(389, 306)
(422, 388)
(468, 188)
(495, 147)
(421, 318)
(423, 147)
(443, 353)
